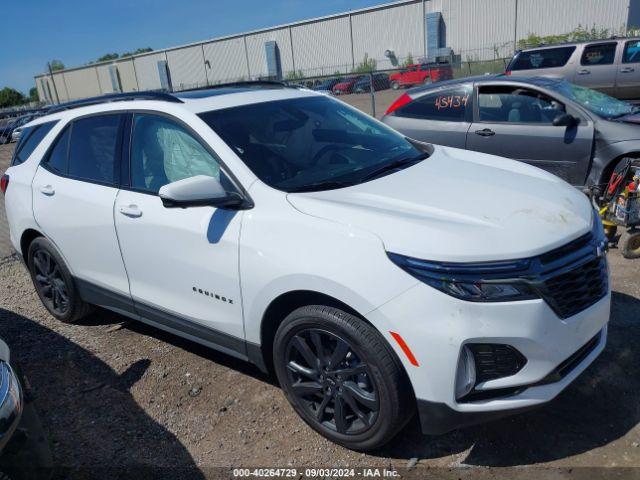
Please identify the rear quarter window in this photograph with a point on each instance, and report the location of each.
(450, 105)
(543, 58)
(31, 138)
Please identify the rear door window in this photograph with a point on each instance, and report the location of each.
(543, 58)
(599, 54)
(31, 138)
(92, 152)
(450, 105)
(631, 52)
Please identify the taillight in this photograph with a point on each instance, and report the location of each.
(4, 183)
(507, 72)
(401, 101)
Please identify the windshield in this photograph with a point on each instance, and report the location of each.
(597, 102)
(310, 143)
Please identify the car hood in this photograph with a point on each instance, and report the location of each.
(619, 130)
(459, 206)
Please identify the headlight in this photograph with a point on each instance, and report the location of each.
(474, 282)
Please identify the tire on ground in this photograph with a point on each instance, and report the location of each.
(396, 398)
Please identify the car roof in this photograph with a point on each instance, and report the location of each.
(544, 82)
(196, 101)
(581, 42)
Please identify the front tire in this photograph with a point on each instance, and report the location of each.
(341, 377)
(53, 282)
(395, 85)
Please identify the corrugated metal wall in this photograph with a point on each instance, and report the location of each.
(187, 68)
(474, 29)
(398, 28)
(548, 17)
(147, 70)
(226, 61)
(256, 51)
(323, 47)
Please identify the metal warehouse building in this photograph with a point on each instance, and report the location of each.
(428, 29)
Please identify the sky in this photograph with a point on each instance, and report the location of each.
(77, 32)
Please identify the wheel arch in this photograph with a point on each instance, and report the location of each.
(608, 168)
(28, 236)
(283, 305)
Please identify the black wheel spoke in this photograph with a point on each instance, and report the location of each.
(50, 283)
(340, 352)
(301, 345)
(323, 407)
(348, 398)
(307, 372)
(307, 388)
(352, 371)
(339, 415)
(317, 343)
(368, 399)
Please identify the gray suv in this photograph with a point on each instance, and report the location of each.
(611, 66)
(572, 131)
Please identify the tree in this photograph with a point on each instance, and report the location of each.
(578, 34)
(368, 65)
(56, 65)
(10, 97)
(137, 51)
(408, 61)
(108, 56)
(33, 95)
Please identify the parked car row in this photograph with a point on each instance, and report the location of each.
(12, 129)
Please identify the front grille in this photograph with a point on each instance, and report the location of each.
(572, 292)
(495, 360)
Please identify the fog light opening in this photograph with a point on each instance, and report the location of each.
(466, 373)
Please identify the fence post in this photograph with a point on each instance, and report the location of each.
(373, 95)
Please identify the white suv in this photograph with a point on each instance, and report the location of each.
(376, 275)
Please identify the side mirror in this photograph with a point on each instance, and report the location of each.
(565, 120)
(199, 191)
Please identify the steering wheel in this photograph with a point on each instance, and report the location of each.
(328, 149)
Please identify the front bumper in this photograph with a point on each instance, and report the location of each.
(11, 403)
(436, 327)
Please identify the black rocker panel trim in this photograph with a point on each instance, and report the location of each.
(175, 324)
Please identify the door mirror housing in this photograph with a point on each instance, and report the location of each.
(199, 191)
(565, 120)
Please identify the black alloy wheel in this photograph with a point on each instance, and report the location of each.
(332, 381)
(50, 283)
(53, 282)
(342, 377)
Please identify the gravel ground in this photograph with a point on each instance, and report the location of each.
(115, 395)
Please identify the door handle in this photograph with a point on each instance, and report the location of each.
(627, 70)
(584, 72)
(47, 190)
(485, 132)
(130, 211)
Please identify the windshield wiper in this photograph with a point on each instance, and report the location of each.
(319, 186)
(395, 165)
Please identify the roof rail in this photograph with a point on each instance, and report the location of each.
(114, 97)
(243, 83)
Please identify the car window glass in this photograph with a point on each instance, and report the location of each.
(162, 151)
(599, 54)
(92, 152)
(31, 138)
(631, 52)
(544, 58)
(445, 105)
(516, 105)
(57, 160)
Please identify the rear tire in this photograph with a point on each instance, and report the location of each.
(395, 85)
(342, 377)
(53, 282)
(631, 245)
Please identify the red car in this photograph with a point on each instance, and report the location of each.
(345, 85)
(417, 74)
